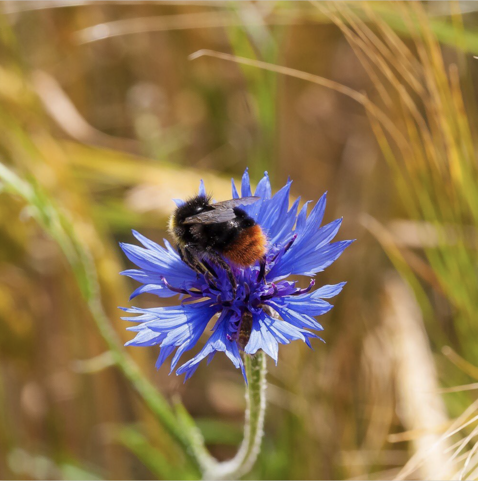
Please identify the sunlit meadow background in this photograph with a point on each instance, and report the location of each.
(104, 119)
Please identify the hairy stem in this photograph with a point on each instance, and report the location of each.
(253, 430)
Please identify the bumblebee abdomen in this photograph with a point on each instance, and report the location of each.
(248, 247)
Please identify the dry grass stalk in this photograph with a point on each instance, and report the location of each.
(419, 405)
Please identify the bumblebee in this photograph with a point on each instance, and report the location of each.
(209, 232)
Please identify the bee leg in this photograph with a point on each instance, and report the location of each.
(209, 268)
(189, 256)
(186, 257)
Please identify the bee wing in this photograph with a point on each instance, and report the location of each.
(211, 217)
(223, 211)
(230, 204)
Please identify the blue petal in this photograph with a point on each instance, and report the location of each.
(330, 290)
(145, 314)
(156, 263)
(311, 252)
(172, 327)
(179, 202)
(292, 316)
(306, 230)
(289, 332)
(324, 257)
(267, 333)
(218, 342)
(142, 276)
(159, 290)
(202, 189)
(145, 337)
(274, 209)
(307, 304)
(305, 245)
(235, 194)
(164, 353)
(299, 309)
(282, 230)
(263, 188)
(316, 215)
(193, 336)
(246, 185)
(263, 191)
(319, 260)
(261, 338)
(302, 218)
(190, 372)
(327, 233)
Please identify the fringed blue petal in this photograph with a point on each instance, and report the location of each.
(235, 194)
(267, 333)
(296, 318)
(202, 189)
(311, 251)
(173, 327)
(261, 338)
(246, 185)
(218, 342)
(302, 218)
(145, 337)
(274, 209)
(281, 231)
(263, 189)
(156, 264)
(328, 291)
(164, 353)
(159, 290)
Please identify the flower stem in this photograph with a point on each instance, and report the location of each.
(246, 456)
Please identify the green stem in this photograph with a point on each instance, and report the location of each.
(253, 430)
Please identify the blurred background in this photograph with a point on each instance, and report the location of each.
(104, 119)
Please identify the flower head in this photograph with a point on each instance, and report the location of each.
(265, 309)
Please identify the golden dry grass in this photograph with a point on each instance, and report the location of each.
(104, 119)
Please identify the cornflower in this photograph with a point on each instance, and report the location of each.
(265, 310)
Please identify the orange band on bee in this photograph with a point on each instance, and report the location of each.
(248, 248)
